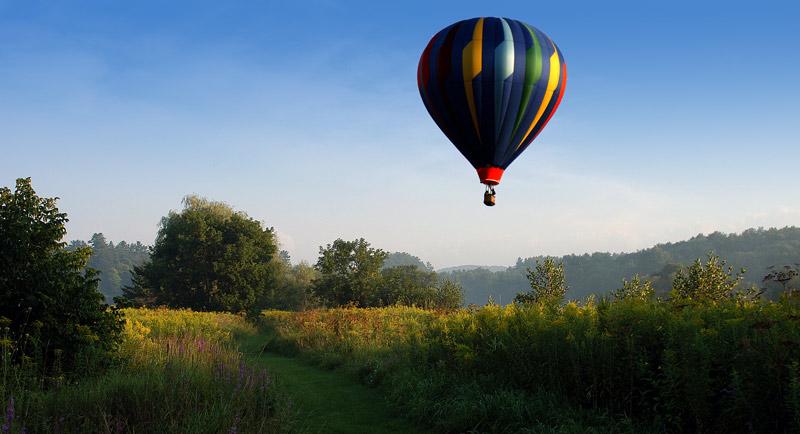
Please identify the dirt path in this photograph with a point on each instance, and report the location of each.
(329, 401)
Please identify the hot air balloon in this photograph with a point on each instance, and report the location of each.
(491, 85)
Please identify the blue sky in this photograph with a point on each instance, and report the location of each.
(678, 118)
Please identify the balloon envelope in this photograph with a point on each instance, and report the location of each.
(491, 85)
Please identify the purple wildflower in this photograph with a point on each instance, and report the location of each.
(9, 416)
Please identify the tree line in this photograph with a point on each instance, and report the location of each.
(754, 250)
(209, 256)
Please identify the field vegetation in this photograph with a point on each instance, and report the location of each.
(627, 365)
(175, 371)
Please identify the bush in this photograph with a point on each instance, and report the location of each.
(53, 314)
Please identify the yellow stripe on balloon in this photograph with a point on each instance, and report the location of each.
(552, 84)
(471, 66)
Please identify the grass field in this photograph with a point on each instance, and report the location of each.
(630, 366)
(329, 402)
(178, 371)
(620, 367)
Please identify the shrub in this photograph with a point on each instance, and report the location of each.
(54, 314)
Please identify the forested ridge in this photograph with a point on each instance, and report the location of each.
(598, 273)
(115, 262)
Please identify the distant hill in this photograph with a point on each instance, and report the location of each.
(598, 273)
(492, 268)
(399, 259)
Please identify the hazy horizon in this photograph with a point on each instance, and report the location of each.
(307, 117)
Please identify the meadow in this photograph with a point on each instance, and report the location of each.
(622, 366)
(176, 371)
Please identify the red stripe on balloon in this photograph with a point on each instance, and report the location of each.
(424, 70)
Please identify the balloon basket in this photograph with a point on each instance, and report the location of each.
(489, 198)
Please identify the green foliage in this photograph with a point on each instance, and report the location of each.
(353, 273)
(350, 273)
(448, 295)
(53, 312)
(634, 289)
(180, 372)
(711, 281)
(293, 289)
(547, 283)
(115, 262)
(717, 367)
(206, 257)
(411, 286)
(599, 273)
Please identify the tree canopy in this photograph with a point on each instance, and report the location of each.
(207, 257)
(350, 272)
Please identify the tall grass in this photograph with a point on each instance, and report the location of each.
(178, 371)
(623, 366)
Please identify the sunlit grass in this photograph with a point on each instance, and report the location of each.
(179, 371)
(624, 366)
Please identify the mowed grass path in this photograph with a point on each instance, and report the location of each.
(328, 401)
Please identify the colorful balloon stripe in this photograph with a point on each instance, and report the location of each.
(491, 84)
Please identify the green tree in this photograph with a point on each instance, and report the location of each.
(407, 285)
(350, 273)
(294, 286)
(547, 283)
(705, 282)
(47, 299)
(207, 257)
(634, 289)
(448, 294)
(411, 286)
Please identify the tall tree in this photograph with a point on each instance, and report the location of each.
(48, 299)
(350, 272)
(207, 257)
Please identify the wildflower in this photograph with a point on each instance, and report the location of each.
(9, 420)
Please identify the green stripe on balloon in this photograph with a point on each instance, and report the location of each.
(533, 72)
